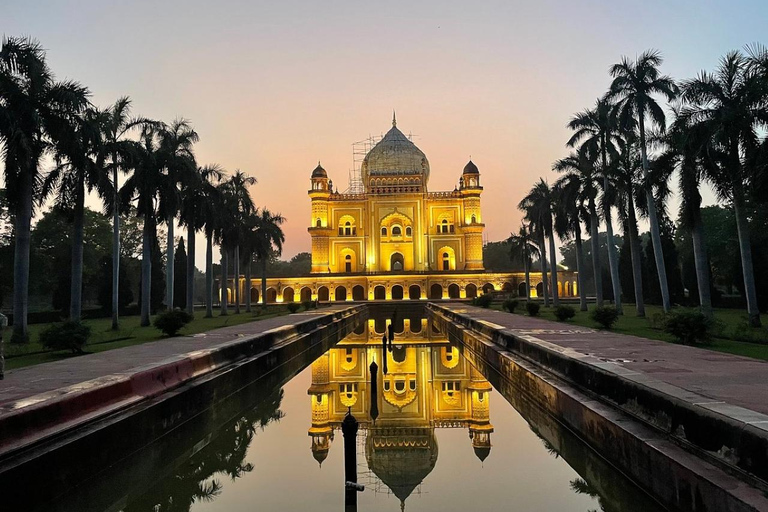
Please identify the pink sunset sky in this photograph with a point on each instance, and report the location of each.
(273, 87)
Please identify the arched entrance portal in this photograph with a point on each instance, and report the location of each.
(306, 294)
(379, 293)
(271, 296)
(341, 294)
(254, 295)
(436, 291)
(396, 262)
(323, 294)
(414, 292)
(521, 289)
(288, 294)
(397, 292)
(453, 291)
(540, 289)
(487, 288)
(471, 291)
(358, 293)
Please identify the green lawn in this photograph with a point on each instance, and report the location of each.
(130, 333)
(733, 335)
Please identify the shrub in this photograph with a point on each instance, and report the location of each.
(307, 304)
(484, 301)
(564, 313)
(293, 307)
(532, 308)
(606, 316)
(510, 305)
(689, 326)
(66, 336)
(172, 320)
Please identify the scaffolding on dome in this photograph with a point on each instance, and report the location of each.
(359, 150)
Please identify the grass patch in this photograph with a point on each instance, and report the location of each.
(103, 338)
(735, 336)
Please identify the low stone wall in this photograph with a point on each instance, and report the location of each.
(603, 408)
(121, 412)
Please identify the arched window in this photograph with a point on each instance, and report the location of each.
(408, 231)
(443, 228)
(318, 223)
(347, 229)
(396, 231)
(446, 261)
(383, 231)
(474, 219)
(348, 263)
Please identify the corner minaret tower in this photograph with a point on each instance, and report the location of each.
(470, 190)
(319, 228)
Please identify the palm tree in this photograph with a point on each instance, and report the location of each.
(634, 86)
(569, 198)
(537, 206)
(240, 207)
(34, 109)
(212, 213)
(581, 163)
(117, 152)
(144, 185)
(178, 161)
(728, 106)
(598, 130)
(267, 240)
(523, 244)
(627, 168)
(76, 172)
(194, 194)
(684, 155)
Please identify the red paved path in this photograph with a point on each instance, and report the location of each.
(721, 377)
(32, 380)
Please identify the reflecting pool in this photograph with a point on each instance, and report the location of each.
(434, 435)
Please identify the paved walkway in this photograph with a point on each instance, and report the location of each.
(722, 377)
(41, 378)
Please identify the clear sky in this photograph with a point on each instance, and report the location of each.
(272, 87)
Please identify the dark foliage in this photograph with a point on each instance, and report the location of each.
(293, 307)
(510, 305)
(689, 326)
(180, 275)
(606, 316)
(532, 308)
(564, 312)
(66, 336)
(124, 293)
(170, 322)
(483, 301)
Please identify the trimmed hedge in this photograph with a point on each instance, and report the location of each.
(66, 336)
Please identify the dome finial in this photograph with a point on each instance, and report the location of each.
(394, 119)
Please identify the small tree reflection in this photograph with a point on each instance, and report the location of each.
(195, 479)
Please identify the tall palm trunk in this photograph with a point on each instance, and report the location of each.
(169, 264)
(76, 281)
(594, 229)
(115, 248)
(579, 276)
(634, 251)
(248, 284)
(745, 249)
(527, 266)
(264, 285)
(236, 264)
(613, 257)
(146, 269)
(224, 279)
(658, 251)
(544, 278)
(190, 269)
(208, 275)
(553, 260)
(701, 262)
(22, 231)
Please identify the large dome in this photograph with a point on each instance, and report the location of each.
(395, 155)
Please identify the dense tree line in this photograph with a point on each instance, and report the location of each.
(57, 146)
(628, 149)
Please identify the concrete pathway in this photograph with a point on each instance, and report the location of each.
(721, 377)
(33, 380)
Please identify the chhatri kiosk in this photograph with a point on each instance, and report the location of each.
(396, 239)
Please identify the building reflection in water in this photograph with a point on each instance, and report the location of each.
(428, 386)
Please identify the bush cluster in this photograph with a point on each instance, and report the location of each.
(606, 316)
(484, 301)
(510, 305)
(293, 307)
(532, 308)
(689, 326)
(564, 313)
(171, 321)
(66, 336)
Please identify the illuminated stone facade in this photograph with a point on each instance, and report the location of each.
(396, 239)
